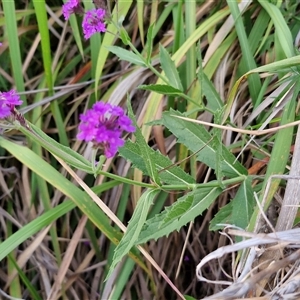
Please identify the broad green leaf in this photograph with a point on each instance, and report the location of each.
(196, 137)
(145, 150)
(178, 209)
(183, 211)
(134, 227)
(124, 54)
(214, 101)
(243, 204)
(239, 211)
(161, 89)
(169, 68)
(171, 174)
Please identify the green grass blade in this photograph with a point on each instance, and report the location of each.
(14, 46)
(281, 28)
(41, 15)
(247, 62)
(80, 198)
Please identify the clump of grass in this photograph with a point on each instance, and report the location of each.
(211, 89)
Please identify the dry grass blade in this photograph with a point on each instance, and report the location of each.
(246, 282)
(244, 131)
(119, 223)
(59, 280)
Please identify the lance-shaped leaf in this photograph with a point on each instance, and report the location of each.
(67, 154)
(183, 211)
(196, 137)
(169, 68)
(134, 227)
(168, 173)
(145, 150)
(124, 54)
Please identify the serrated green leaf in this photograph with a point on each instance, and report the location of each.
(239, 211)
(169, 68)
(178, 209)
(145, 150)
(134, 227)
(224, 216)
(195, 137)
(171, 175)
(243, 205)
(149, 43)
(124, 54)
(155, 227)
(161, 89)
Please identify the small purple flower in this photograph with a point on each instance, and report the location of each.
(103, 125)
(93, 22)
(8, 100)
(71, 7)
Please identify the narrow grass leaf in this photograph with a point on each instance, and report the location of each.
(109, 39)
(33, 227)
(41, 15)
(134, 227)
(140, 16)
(247, 61)
(77, 34)
(79, 198)
(29, 286)
(288, 64)
(169, 68)
(67, 154)
(280, 154)
(183, 211)
(281, 28)
(14, 45)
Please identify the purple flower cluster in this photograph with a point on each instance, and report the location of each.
(93, 20)
(8, 101)
(71, 7)
(103, 125)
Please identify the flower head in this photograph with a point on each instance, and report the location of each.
(103, 125)
(71, 7)
(8, 101)
(93, 22)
